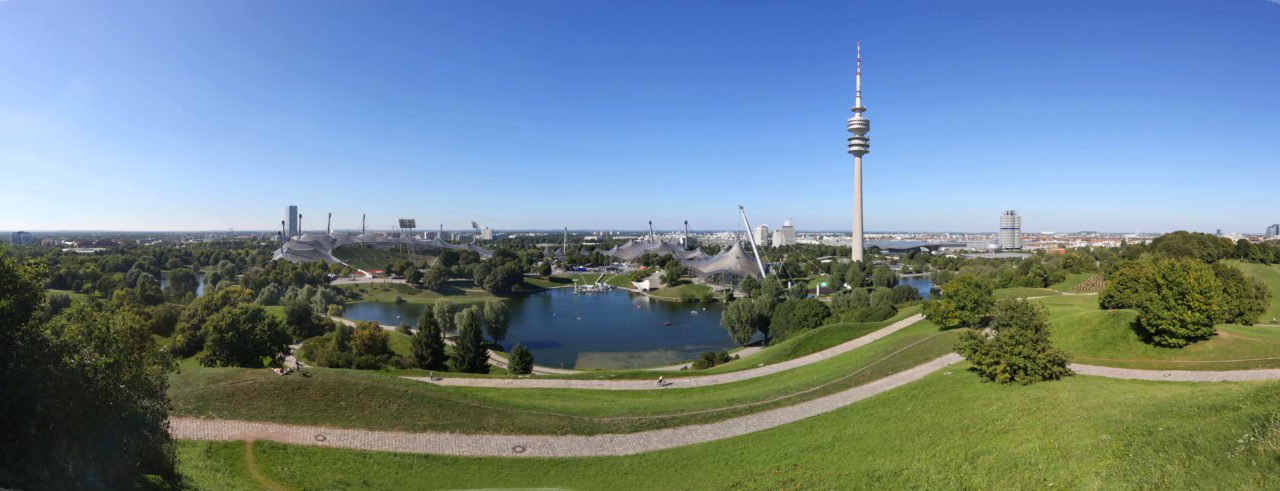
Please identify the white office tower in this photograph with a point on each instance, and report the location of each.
(762, 236)
(486, 233)
(1010, 230)
(786, 235)
(859, 145)
(291, 217)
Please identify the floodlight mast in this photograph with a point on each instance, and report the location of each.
(653, 237)
(328, 226)
(283, 236)
(751, 238)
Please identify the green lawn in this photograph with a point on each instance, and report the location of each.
(457, 291)
(1025, 292)
(75, 296)
(1100, 337)
(678, 293)
(369, 258)
(381, 400)
(947, 431)
(1072, 280)
(1269, 273)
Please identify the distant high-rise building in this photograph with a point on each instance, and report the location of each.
(1273, 232)
(20, 238)
(762, 235)
(486, 233)
(291, 218)
(786, 235)
(1010, 230)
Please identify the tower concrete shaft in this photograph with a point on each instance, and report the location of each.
(859, 145)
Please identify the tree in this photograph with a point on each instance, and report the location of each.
(1246, 297)
(444, 313)
(544, 269)
(1129, 285)
(521, 361)
(84, 401)
(1017, 348)
(749, 285)
(164, 318)
(795, 315)
(1185, 302)
(301, 322)
(497, 318)
(964, 301)
(182, 282)
(435, 278)
(469, 352)
(189, 334)
(414, 276)
(428, 342)
(270, 295)
(242, 336)
(744, 317)
(883, 277)
(905, 294)
(671, 274)
(369, 339)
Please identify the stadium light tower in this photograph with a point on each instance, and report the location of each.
(858, 146)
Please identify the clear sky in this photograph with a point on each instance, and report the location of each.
(181, 115)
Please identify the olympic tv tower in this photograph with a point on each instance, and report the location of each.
(858, 146)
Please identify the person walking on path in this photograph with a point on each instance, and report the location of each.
(660, 381)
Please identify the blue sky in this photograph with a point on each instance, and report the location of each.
(1114, 116)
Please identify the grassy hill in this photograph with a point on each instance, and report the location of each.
(1082, 432)
(1101, 337)
(1269, 273)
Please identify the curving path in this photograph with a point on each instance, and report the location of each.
(542, 445)
(1177, 375)
(676, 383)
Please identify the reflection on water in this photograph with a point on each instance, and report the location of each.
(604, 330)
(921, 283)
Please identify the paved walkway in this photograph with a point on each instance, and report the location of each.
(676, 383)
(542, 445)
(1177, 375)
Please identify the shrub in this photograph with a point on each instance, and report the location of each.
(1017, 349)
(964, 301)
(521, 360)
(711, 358)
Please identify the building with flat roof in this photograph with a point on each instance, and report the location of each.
(762, 235)
(786, 235)
(291, 218)
(1010, 230)
(20, 238)
(1273, 232)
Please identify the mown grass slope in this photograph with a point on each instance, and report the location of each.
(947, 431)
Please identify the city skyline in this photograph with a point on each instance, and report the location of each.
(147, 122)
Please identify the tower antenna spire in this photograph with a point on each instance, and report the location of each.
(857, 93)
